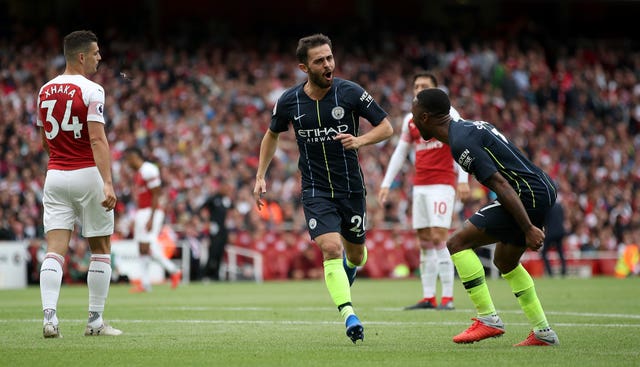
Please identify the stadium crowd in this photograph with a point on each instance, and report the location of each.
(200, 112)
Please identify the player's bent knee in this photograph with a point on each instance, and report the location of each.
(331, 252)
(454, 245)
(505, 265)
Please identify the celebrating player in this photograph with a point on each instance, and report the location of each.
(525, 194)
(434, 194)
(78, 185)
(325, 112)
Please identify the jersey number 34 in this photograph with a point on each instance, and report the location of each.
(68, 123)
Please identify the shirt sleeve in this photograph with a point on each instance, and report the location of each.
(366, 106)
(454, 114)
(151, 175)
(38, 118)
(279, 118)
(399, 154)
(405, 133)
(463, 176)
(95, 104)
(481, 166)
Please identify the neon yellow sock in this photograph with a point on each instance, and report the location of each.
(471, 274)
(522, 286)
(337, 283)
(346, 311)
(364, 259)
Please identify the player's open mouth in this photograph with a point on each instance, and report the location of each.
(328, 75)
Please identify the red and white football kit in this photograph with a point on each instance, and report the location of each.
(73, 188)
(435, 179)
(147, 178)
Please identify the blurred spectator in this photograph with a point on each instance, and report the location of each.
(201, 111)
(193, 237)
(554, 237)
(36, 251)
(214, 212)
(80, 258)
(307, 263)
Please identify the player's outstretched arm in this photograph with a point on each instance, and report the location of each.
(396, 161)
(267, 151)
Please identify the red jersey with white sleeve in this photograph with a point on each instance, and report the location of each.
(434, 164)
(65, 104)
(147, 178)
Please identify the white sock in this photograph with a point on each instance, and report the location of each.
(428, 272)
(158, 256)
(50, 282)
(98, 281)
(145, 277)
(445, 271)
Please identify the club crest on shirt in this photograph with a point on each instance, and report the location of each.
(337, 113)
(313, 223)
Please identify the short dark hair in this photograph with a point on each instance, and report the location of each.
(305, 43)
(133, 150)
(78, 41)
(434, 101)
(426, 74)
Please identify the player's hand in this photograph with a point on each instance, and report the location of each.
(258, 190)
(463, 191)
(149, 224)
(382, 195)
(535, 238)
(110, 199)
(348, 141)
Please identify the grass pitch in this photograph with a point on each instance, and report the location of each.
(295, 324)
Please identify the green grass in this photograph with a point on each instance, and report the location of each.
(295, 324)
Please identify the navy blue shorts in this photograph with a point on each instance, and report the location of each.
(499, 223)
(345, 216)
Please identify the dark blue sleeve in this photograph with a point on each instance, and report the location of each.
(470, 154)
(482, 166)
(365, 105)
(280, 118)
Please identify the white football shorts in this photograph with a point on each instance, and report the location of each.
(76, 196)
(433, 206)
(140, 233)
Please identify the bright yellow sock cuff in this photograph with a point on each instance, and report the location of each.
(471, 274)
(337, 282)
(519, 279)
(468, 265)
(523, 288)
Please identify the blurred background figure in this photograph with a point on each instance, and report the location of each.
(554, 235)
(80, 259)
(307, 264)
(214, 210)
(149, 218)
(199, 103)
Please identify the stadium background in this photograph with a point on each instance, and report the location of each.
(560, 77)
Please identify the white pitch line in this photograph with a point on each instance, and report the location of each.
(391, 309)
(302, 322)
